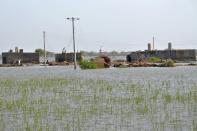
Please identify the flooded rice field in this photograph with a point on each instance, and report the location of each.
(137, 99)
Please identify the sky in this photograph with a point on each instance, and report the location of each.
(121, 25)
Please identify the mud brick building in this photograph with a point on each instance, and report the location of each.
(68, 57)
(184, 55)
(19, 56)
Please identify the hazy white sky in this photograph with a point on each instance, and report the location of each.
(111, 24)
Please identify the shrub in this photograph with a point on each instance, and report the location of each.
(154, 59)
(87, 65)
(168, 63)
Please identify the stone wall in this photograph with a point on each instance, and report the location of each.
(186, 55)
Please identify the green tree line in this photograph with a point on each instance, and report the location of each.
(41, 52)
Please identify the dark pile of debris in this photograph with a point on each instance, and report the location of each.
(120, 63)
(10, 65)
(102, 61)
(58, 63)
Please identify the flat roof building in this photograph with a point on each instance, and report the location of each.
(19, 57)
(174, 54)
(68, 57)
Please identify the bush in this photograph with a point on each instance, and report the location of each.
(154, 59)
(168, 63)
(87, 65)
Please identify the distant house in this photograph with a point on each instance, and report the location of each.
(174, 54)
(19, 57)
(68, 57)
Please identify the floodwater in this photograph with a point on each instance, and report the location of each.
(127, 74)
(122, 106)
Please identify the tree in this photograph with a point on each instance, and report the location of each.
(41, 52)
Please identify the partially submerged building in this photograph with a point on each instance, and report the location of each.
(174, 54)
(19, 57)
(68, 57)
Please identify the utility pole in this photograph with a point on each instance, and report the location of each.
(100, 51)
(73, 19)
(153, 43)
(44, 48)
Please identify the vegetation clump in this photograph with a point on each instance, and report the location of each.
(154, 59)
(168, 63)
(85, 64)
(41, 52)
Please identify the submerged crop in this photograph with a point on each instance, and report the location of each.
(95, 104)
(58, 98)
